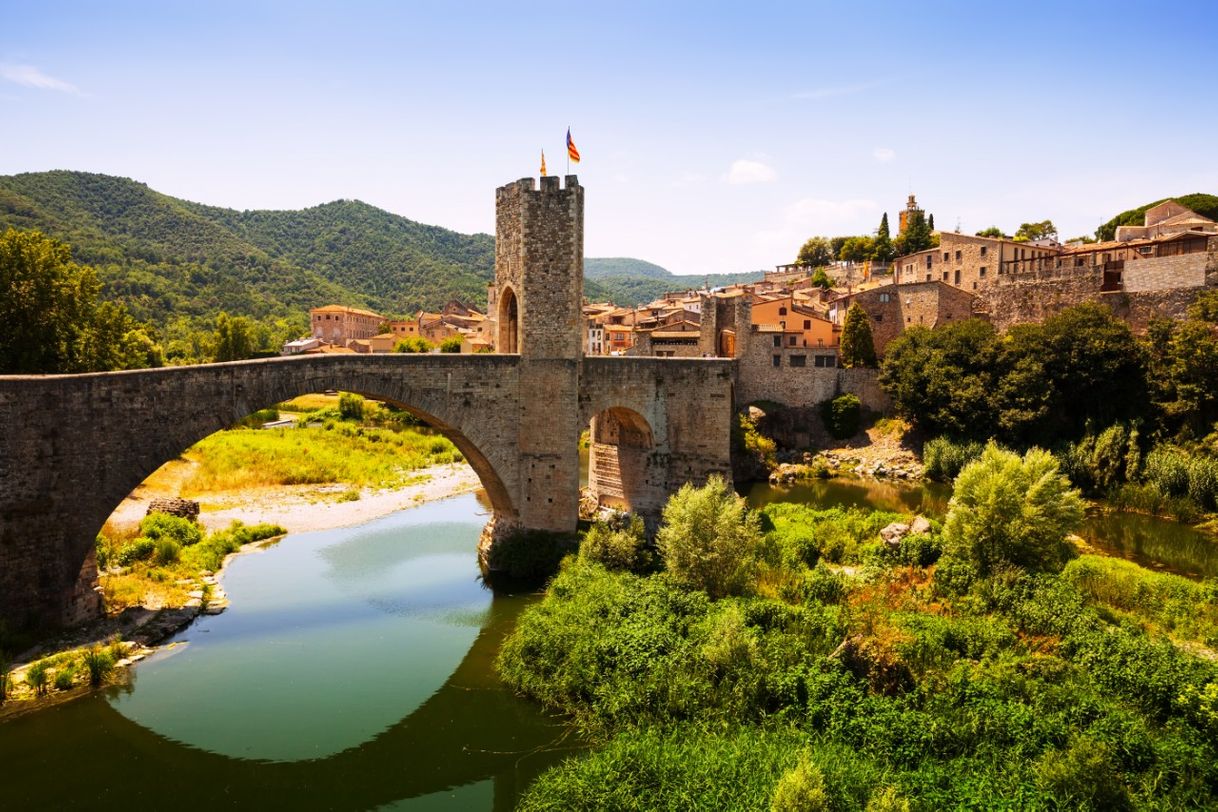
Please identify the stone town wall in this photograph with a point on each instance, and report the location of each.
(865, 383)
(1020, 301)
(1165, 273)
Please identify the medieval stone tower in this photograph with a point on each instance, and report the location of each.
(535, 304)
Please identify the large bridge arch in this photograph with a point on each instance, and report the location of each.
(82, 443)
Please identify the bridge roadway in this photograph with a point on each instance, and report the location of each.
(73, 446)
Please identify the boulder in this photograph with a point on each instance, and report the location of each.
(893, 533)
(920, 525)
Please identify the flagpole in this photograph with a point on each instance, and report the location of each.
(568, 146)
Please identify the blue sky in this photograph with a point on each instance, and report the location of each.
(715, 136)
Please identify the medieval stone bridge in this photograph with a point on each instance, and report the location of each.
(73, 446)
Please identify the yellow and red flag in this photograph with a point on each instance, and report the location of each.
(572, 152)
(543, 163)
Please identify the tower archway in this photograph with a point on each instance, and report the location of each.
(508, 339)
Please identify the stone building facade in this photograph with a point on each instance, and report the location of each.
(894, 308)
(966, 262)
(336, 324)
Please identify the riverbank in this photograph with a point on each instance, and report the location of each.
(306, 508)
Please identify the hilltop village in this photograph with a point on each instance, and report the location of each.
(793, 317)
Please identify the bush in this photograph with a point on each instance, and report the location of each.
(413, 344)
(1167, 469)
(943, 459)
(350, 406)
(801, 789)
(619, 544)
(157, 526)
(841, 415)
(100, 663)
(1082, 777)
(166, 551)
(451, 344)
(1011, 510)
(137, 549)
(36, 677)
(209, 554)
(709, 539)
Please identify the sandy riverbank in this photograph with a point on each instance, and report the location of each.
(303, 508)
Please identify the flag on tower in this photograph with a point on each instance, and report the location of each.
(543, 163)
(572, 152)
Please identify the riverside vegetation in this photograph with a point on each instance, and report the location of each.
(791, 659)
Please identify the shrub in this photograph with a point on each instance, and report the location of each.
(350, 406)
(1167, 469)
(451, 344)
(167, 551)
(709, 539)
(841, 415)
(65, 677)
(100, 663)
(619, 544)
(1011, 510)
(943, 459)
(137, 549)
(413, 344)
(801, 789)
(209, 554)
(157, 526)
(887, 799)
(36, 677)
(1082, 777)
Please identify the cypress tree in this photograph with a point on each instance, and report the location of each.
(858, 348)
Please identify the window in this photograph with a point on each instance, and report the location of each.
(807, 324)
(799, 360)
(782, 311)
(884, 297)
(790, 341)
(974, 286)
(983, 248)
(946, 256)
(777, 341)
(945, 276)
(777, 360)
(981, 272)
(879, 317)
(825, 361)
(928, 277)
(929, 260)
(957, 277)
(958, 255)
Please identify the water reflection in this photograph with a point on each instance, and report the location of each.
(343, 677)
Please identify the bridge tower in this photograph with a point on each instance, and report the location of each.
(535, 304)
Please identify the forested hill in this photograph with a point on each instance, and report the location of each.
(172, 259)
(1203, 204)
(632, 281)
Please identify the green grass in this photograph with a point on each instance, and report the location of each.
(337, 452)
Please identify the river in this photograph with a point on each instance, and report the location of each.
(354, 670)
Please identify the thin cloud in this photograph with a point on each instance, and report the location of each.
(812, 216)
(883, 154)
(30, 76)
(745, 171)
(839, 90)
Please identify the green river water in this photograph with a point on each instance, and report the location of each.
(354, 670)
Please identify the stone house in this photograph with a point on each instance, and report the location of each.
(967, 262)
(336, 324)
(894, 308)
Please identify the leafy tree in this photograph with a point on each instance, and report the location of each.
(816, 252)
(930, 222)
(350, 406)
(1205, 307)
(53, 318)
(836, 243)
(413, 344)
(451, 344)
(882, 248)
(857, 249)
(992, 231)
(708, 538)
(1044, 230)
(233, 339)
(857, 348)
(1186, 386)
(942, 379)
(841, 415)
(1011, 510)
(821, 279)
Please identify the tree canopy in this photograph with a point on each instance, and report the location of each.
(815, 252)
(54, 320)
(857, 346)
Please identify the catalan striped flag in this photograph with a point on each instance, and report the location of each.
(543, 163)
(572, 152)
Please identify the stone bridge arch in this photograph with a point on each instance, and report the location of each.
(86, 441)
